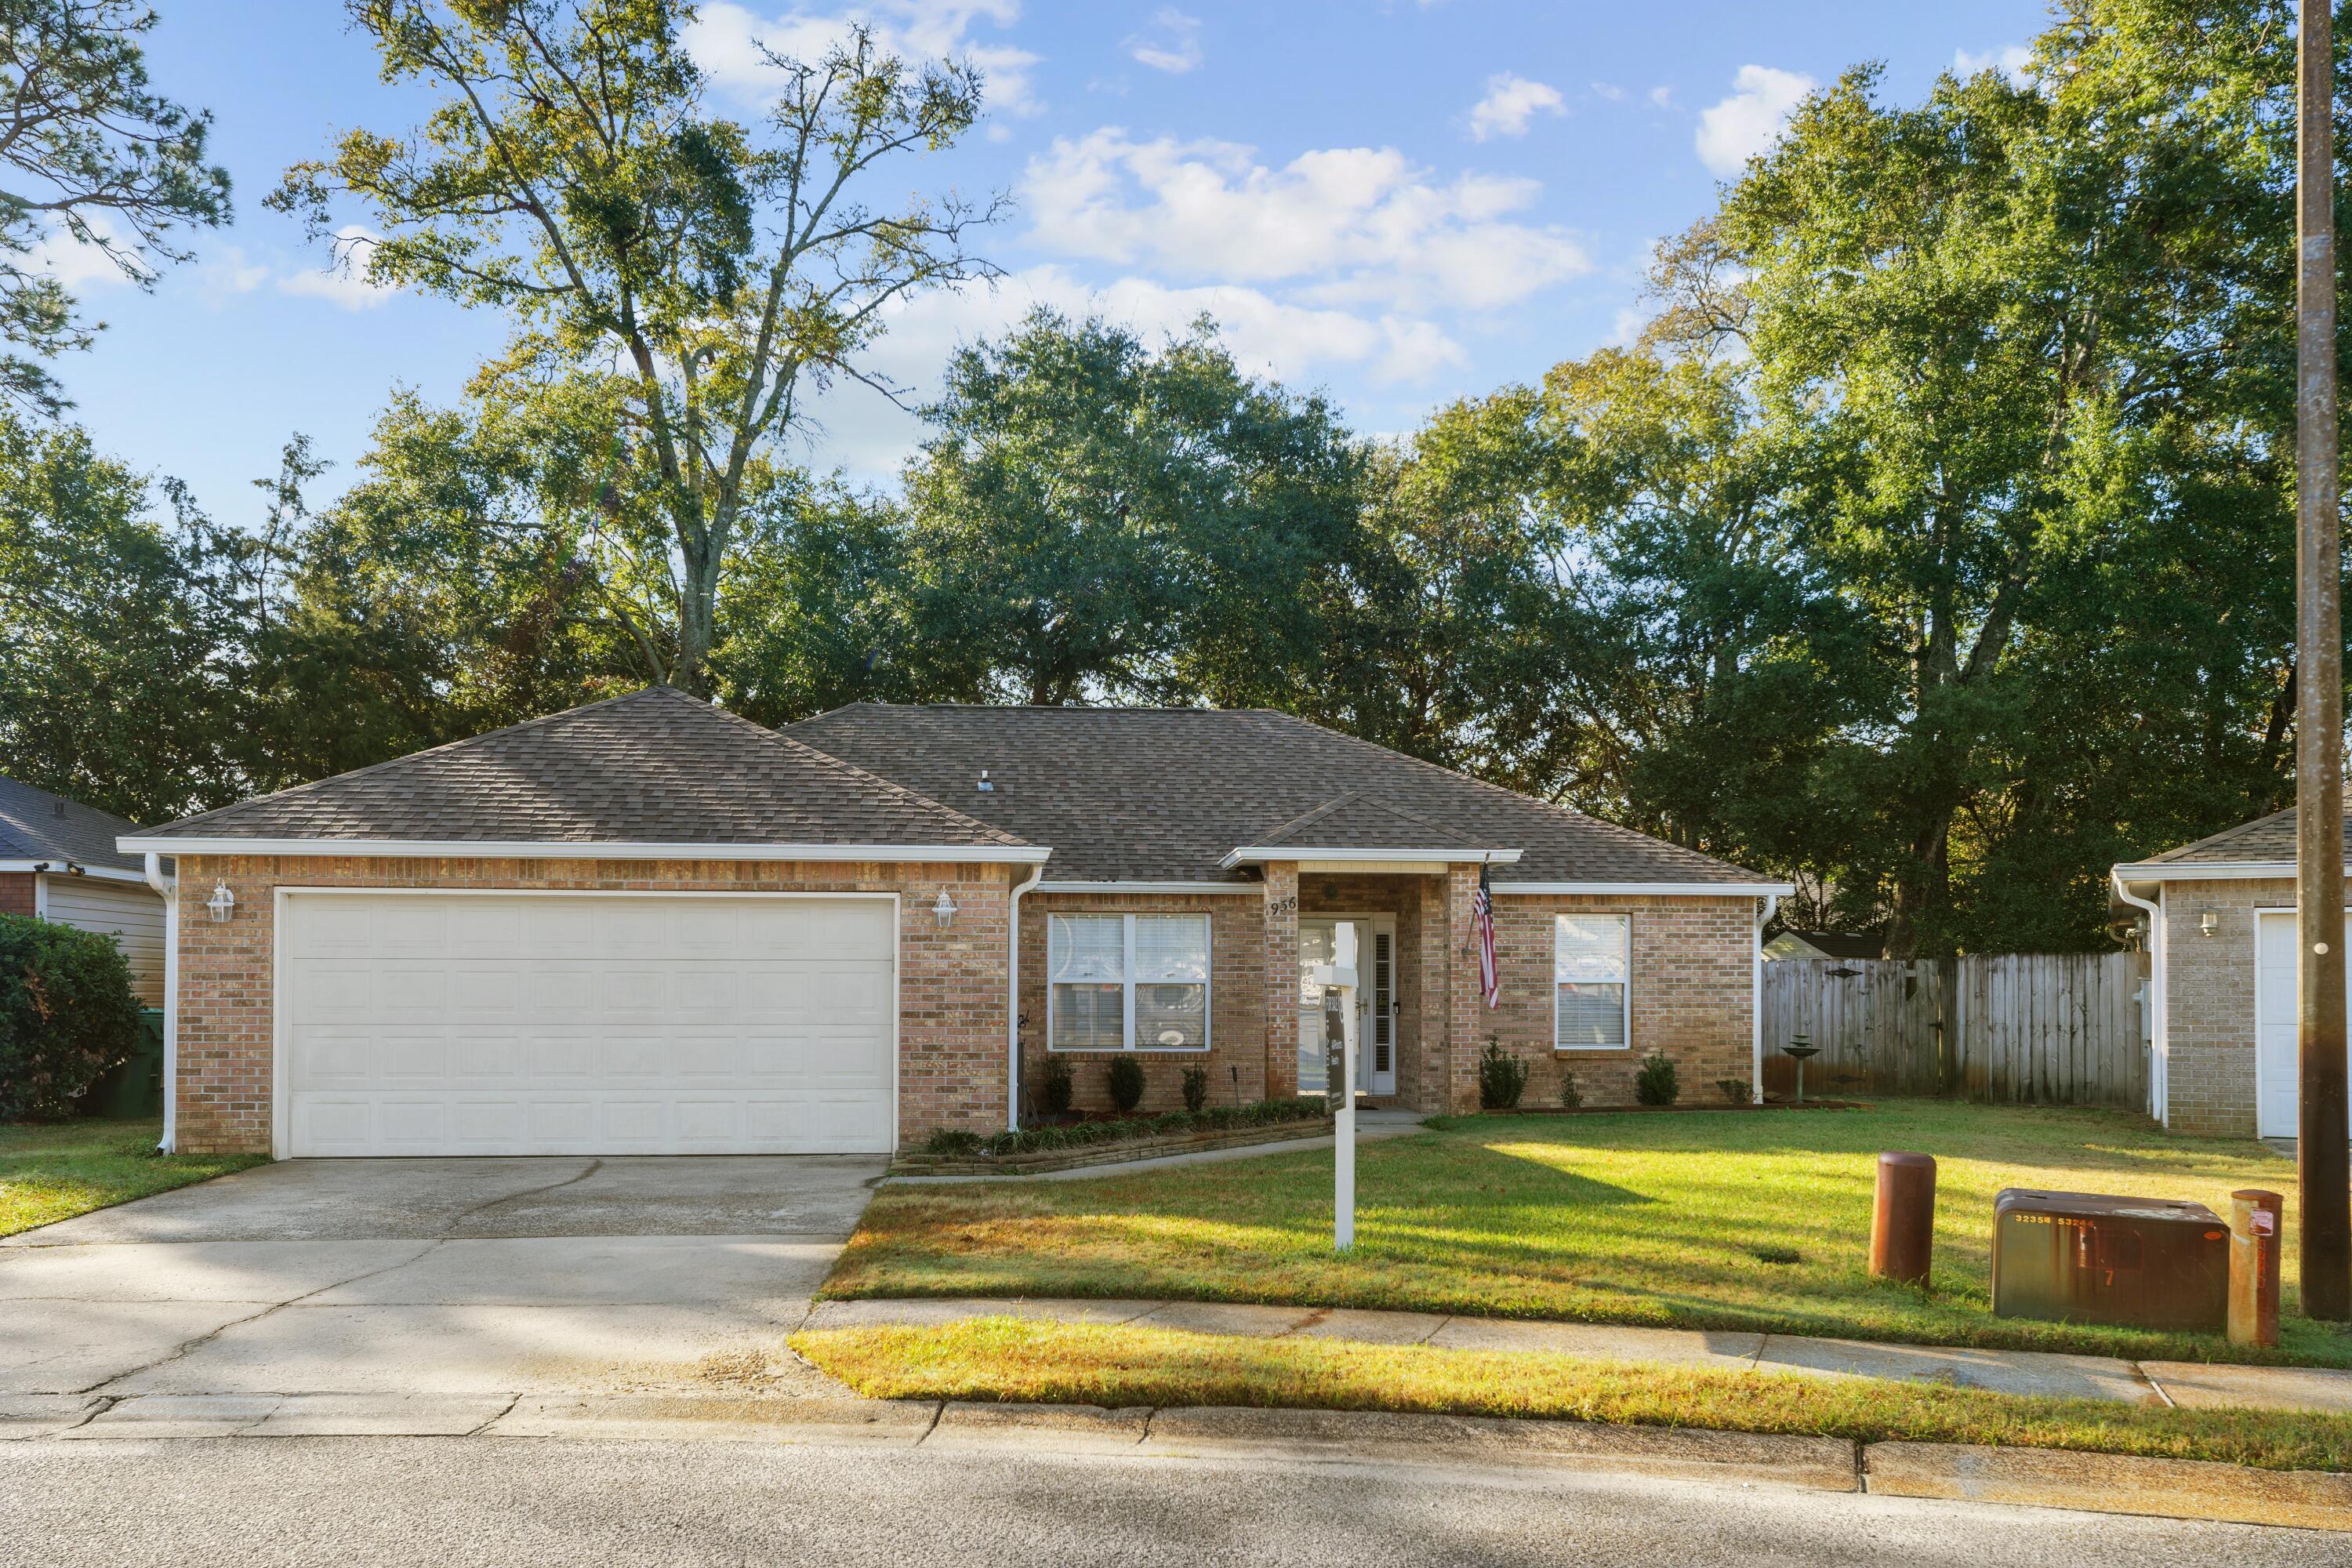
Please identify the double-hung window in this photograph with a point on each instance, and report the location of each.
(1128, 983)
(1592, 982)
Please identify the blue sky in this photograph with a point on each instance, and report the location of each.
(1397, 202)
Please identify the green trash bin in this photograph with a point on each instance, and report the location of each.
(134, 1088)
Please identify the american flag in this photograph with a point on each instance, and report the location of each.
(1481, 920)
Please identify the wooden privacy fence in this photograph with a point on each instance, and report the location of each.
(2044, 1029)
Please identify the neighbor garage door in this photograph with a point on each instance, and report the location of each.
(591, 1024)
(2276, 1080)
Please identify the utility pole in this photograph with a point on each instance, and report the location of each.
(2324, 1164)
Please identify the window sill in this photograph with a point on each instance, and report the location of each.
(1127, 1050)
(1587, 1050)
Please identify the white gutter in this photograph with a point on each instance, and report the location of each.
(1666, 889)
(1255, 853)
(2159, 1052)
(1756, 1000)
(1255, 890)
(169, 888)
(2205, 871)
(607, 849)
(73, 869)
(1012, 1006)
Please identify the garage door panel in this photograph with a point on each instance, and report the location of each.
(435, 1023)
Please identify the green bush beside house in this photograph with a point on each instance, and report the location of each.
(68, 1014)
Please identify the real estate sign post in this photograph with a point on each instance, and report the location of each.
(2324, 1164)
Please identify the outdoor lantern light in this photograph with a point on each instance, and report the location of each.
(222, 902)
(945, 909)
(2208, 921)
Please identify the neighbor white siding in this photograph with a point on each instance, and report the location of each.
(130, 913)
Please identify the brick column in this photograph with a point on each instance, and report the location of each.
(1281, 979)
(1465, 1010)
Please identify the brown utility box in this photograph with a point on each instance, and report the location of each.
(2082, 1257)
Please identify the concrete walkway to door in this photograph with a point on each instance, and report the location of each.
(471, 1282)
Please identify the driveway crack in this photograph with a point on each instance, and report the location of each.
(485, 1207)
(186, 1346)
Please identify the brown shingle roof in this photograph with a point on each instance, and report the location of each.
(654, 767)
(1356, 821)
(1163, 794)
(2266, 839)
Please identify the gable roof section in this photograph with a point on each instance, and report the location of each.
(1355, 821)
(1164, 794)
(2264, 840)
(37, 825)
(653, 768)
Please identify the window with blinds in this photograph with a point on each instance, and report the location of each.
(1127, 983)
(1592, 982)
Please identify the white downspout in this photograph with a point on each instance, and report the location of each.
(2160, 1043)
(1012, 1003)
(1756, 1000)
(169, 887)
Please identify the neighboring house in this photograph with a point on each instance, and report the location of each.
(649, 926)
(1826, 945)
(2218, 918)
(58, 862)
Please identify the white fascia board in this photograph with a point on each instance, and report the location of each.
(557, 849)
(64, 868)
(1662, 890)
(1257, 854)
(2207, 872)
(1253, 890)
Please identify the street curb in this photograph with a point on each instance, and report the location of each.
(2110, 1483)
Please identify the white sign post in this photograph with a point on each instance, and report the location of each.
(1338, 981)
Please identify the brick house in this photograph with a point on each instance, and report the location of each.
(649, 926)
(2218, 917)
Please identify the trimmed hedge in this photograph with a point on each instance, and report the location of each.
(949, 1143)
(67, 1015)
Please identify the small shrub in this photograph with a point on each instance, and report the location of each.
(1570, 1097)
(1502, 1078)
(1736, 1090)
(1196, 1087)
(1655, 1084)
(1126, 1084)
(950, 1142)
(1054, 1085)
(67, 1015)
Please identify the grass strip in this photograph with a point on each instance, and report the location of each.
(67, 1168)
(1010, 1360)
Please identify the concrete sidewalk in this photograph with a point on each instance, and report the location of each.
(2188, 1384)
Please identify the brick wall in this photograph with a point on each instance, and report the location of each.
(1692, 982)
(16, 893)
(2210, 995)
(952, 983)
(1237, 1057)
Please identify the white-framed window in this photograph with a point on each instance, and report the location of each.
(1592, 991)
(1127, 983)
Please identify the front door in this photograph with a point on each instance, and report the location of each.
(1371, 940)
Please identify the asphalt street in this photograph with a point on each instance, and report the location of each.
(521, 1501)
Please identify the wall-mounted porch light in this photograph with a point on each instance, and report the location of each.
(222, 904)
(945, 910)
(2208, 921)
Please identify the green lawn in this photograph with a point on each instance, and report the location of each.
(1646, 1219)
(1005, 1359)
(55, 1171)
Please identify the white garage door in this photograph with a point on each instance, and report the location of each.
(594, 1024)
(2277, 1100)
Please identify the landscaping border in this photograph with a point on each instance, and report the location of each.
(1666, 1110)
(1039, 1162)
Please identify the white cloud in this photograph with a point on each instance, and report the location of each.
(1174, 48)
(74, 263)
(226, 271)
(1353, 225)
(1662, 97)
(2012, 60)
(343, 281)
(1749, 121)
(1510, 103)
(1608, 92)
(730, 43)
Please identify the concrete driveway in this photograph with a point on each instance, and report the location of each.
(490, 1278)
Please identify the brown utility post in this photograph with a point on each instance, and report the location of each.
(2324, 1174)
